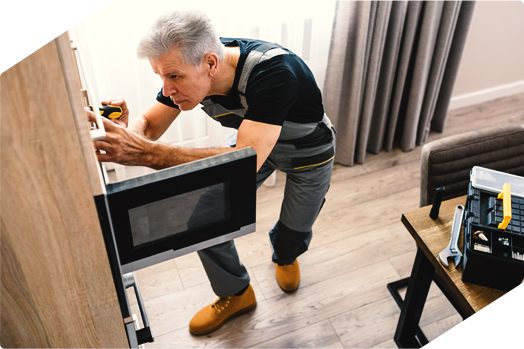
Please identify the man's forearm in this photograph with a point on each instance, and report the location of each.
(159, 156)
(154, 121)
(139, 125)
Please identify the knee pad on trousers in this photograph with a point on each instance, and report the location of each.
(288, 244)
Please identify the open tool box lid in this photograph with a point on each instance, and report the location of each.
(491, 180)
(494, 230)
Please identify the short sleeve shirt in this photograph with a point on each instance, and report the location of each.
(278, 89)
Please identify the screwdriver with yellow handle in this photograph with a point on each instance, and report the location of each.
(109, 111)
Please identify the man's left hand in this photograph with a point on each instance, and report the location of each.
(120, 145)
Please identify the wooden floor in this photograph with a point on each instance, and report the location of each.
(359, 245)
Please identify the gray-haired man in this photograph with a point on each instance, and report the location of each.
(268, 94)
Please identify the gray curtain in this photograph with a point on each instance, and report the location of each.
(391, 70)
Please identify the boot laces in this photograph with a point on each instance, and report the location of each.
(221, 304)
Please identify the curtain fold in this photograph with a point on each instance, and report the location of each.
(452, 65)
(391, 71)
(387, 76)
(377, 41)
(440, 56)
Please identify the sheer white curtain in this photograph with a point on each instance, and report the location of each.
(108, 39)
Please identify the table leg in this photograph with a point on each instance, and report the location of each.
(393, 288)
(413, 305)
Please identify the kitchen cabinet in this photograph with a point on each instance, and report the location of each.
(57, 288)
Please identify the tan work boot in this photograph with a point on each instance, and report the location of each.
(213, 316)
(288, 276)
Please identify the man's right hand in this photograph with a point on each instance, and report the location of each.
(120, 102)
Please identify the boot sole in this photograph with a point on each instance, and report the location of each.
(240, 312)
(287, 290)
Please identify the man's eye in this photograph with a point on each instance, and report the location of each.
(174, 76)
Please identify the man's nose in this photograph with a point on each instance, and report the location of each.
(168, 88)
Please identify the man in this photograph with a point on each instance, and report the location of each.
(269, 95)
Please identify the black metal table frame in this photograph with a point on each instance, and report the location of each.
(408, 333)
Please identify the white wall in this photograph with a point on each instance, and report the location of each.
(108, 40)
(492, 64)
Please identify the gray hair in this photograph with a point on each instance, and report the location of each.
(190, 31)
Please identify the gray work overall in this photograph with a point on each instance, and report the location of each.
(305, 153)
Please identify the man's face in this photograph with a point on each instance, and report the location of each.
(186, 84)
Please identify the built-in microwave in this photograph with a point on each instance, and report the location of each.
(182, 209)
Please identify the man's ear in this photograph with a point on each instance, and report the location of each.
(211, 63)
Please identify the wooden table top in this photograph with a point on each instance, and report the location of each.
(432, 236)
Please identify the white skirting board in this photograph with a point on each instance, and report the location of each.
(486, 95)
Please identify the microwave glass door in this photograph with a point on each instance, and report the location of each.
(178, 214)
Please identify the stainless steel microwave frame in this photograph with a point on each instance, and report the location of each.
(169, 203)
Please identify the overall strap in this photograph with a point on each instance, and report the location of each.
(260, 54)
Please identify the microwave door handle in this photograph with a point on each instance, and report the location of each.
(144, 334)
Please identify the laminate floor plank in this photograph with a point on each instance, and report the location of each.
(359, 190)
(277, 316)
(385, 160)
(389, 344)
(338, 259)
(497, 108)
(173, 311)
(358, 246)
(513, 117)
(317, 335)
(255, 249)
(354, 220)
(193, 272)
(265, 192)
(156, 281)
(403, 263)
(375, 323)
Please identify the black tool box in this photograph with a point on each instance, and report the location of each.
(493, 257)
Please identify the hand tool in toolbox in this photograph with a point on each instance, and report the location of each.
(433, 214)
(453, 250)
(493, 253)
(109, 111)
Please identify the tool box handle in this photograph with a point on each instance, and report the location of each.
(505, 195)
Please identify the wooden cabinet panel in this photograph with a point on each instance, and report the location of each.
(57, 289)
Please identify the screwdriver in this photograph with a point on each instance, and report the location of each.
(109, 111)
(517, 309)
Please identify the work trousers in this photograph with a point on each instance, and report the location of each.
(305, 189)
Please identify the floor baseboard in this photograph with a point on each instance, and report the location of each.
(486, 95)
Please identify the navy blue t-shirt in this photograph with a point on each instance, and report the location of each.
(279, 89)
